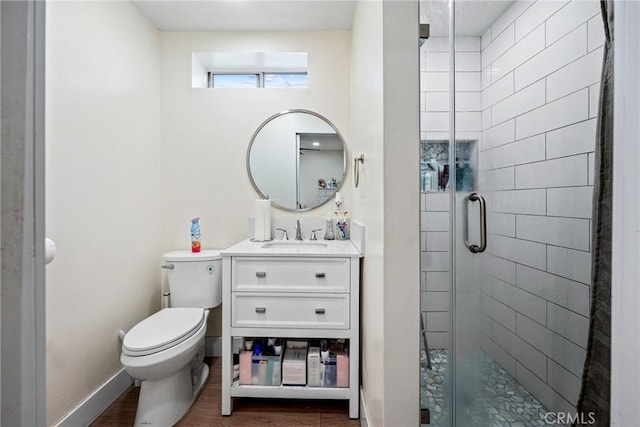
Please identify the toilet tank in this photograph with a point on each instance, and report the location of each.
(195, 279)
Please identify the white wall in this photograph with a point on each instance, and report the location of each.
(367, 117)
(103, 190)
(401, 213)
(206, 132)
(385, 129)
(541, 71)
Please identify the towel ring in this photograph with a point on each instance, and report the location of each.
(356, 169)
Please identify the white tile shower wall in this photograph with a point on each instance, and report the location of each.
(541, 66)
(434, 115)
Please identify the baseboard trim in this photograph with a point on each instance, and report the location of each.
(213, 346)
(94, 405)
(364, 415)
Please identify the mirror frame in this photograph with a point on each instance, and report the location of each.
(282, 113)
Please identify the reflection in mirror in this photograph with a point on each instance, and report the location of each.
(297, 159)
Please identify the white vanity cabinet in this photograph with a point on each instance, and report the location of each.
(291, 293)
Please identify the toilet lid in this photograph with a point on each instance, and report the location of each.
(162, 330)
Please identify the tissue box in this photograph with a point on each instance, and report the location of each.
(294, 366)
(297, 344)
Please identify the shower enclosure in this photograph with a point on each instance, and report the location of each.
(506, 199)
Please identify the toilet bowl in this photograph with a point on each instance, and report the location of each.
(165, 351)
(169, 363)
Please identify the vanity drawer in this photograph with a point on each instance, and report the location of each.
(291, 274)
(286, 310)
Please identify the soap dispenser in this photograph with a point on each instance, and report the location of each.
(328, 231)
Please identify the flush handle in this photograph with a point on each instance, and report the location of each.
(261, 274)
(168, 266)
(261, 310)
(320, 275)
(320, 311)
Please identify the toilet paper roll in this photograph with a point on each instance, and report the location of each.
(262, 223)
(49, 250)
(258, 223)
(267, 220)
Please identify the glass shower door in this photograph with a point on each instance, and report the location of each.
(506, 198)
(521, 307)
(468, 236)
(435, 186)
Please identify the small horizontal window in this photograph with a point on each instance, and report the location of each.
(264, 80)
(287, 70)
(234, 80)
(294, 80)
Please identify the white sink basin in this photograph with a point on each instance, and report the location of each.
(295, 244)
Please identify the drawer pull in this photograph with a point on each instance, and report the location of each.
(261, 274)
(319, 310)
(320, 275)
(261, 310)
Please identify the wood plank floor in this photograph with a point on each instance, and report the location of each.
(205, 412)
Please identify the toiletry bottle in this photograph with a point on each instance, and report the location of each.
(257, 349)
(444, 178)
(338, 202)
(195, 235)
(426, 181)
(433, 169)
(324, 361)
(425, 178)
(324, 350)
(468, 177)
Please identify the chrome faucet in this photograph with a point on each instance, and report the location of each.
(298, 232)
(313, 234)
(284, 233)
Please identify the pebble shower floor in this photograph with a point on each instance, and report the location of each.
(502, 403)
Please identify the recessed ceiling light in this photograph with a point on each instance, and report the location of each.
(316, 144)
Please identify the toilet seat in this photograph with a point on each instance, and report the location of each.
(164, 329)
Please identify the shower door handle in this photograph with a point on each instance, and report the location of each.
(475, 197)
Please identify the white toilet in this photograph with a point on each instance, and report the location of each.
(166, 350)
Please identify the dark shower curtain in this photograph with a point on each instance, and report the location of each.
(594, 399)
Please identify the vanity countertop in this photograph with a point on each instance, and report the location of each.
(275, 248)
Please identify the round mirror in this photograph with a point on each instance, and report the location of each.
(298, 159)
